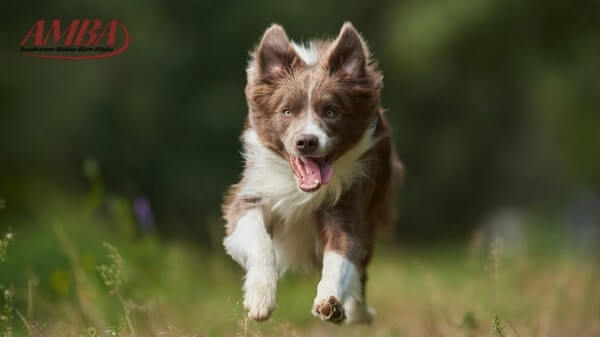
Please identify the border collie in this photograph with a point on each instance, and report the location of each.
(319, 176)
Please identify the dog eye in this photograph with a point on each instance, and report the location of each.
(287, 112)
(331, 112)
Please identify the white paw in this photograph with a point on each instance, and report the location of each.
(259, 297)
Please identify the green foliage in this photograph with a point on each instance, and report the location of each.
(7, 312)
(112, 274)
(4, 243)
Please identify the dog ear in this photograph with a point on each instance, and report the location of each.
(275, 55)
(348, 53)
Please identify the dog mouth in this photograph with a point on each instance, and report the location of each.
(311, 172)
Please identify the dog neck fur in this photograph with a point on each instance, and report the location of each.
(269, 177)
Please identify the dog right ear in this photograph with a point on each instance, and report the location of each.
(275, 55)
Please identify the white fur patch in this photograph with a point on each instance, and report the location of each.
(251, 246)
(249, 243)
(308, 54)
(339, 278)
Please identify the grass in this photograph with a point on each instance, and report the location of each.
(69, 271)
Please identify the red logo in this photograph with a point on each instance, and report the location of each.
(80, 40)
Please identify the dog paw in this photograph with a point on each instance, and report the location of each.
(260, 302)
(330, 310)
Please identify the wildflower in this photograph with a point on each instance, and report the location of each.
(143, 213)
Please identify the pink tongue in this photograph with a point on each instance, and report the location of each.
(312, 178)
(317, 172)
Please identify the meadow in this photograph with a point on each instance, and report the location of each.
(79, 267)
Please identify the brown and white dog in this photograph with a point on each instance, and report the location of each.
(320, 172)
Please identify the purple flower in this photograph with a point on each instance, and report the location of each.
(143, 213)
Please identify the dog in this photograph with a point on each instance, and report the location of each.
(320, 172)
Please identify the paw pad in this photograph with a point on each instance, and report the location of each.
(330, 310)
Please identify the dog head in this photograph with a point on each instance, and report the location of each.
(311, 104)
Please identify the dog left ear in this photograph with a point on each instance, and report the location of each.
(348, 53)
(275, 55)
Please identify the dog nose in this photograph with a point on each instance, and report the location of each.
(307, 143)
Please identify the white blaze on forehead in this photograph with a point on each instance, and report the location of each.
(311, 126)
(310, 55)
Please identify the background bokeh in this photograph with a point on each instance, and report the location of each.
(494, 105)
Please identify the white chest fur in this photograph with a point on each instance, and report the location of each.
(269, 177)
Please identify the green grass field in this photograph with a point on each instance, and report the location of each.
(60, 279)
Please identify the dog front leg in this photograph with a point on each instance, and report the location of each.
(340, 277)
(251, 246)
(340, 282)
